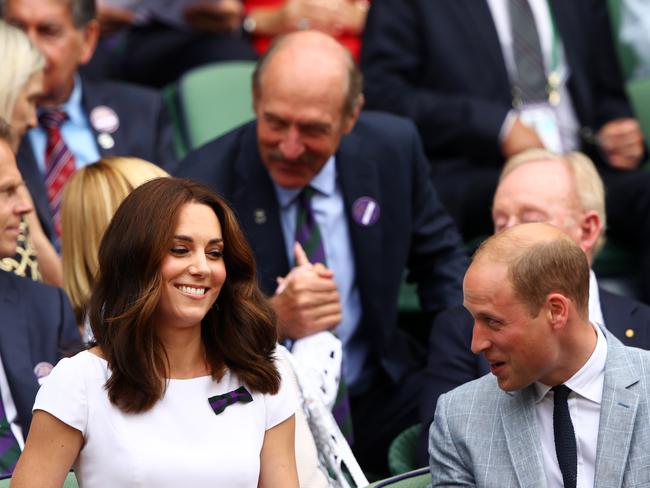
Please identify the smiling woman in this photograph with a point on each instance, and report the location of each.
(183, 364)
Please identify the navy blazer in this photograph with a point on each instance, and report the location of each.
(36, 325)
(144, 131)
(439, 62)
(381, 158)
(451, 363)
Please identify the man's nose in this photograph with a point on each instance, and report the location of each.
(480, 341)
(291, 146)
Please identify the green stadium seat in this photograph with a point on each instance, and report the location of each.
(419, 478)
(214, 99)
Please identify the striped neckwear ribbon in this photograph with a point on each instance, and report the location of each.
(9, 448)
(59, 162)
(309, 236)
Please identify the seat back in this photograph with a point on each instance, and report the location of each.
(638, 92)
(626, 57)
(402, 451)
(419, 478)
(214, 99)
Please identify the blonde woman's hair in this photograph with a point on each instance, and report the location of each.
(90, 199)
(20, 60)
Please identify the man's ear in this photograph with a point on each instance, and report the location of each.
(90, 36)
(557, 310)
(591, 227)
(350, 119)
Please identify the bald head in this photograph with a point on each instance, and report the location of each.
(540, 259)
(302, 93)
(312, 59)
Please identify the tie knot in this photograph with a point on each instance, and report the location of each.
(52, 118)
(305, 195)
(561, 393)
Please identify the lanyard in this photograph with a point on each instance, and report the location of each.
(553, 78)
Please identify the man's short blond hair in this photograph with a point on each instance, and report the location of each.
(588, 185)
(540, 260)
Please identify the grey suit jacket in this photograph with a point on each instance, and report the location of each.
(482, 436)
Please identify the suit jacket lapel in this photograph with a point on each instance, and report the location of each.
(258, 211)
(483, 33)
(617, 414)
(617, 313)
(15, 351)
(35, 181)
(522, 438)
(358, 177)
(93, 98)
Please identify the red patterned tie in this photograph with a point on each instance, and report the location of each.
(59, 162)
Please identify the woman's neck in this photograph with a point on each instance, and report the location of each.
(186, 353)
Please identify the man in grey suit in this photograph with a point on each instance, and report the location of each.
(566, 404)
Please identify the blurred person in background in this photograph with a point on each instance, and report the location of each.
(79, 120)
(21, 85)
(90, 199)
(37, 325)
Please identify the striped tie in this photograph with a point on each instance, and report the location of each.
(307, 231)
(59, 162)
(527, 52)
(9, 448)
(309, 236)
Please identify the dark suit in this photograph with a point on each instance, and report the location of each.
(440, 63)
(144, 131)
(36, 325)
(451, 362)
(381, 158)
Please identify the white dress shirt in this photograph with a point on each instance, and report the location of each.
(567, 119)
(584, 406)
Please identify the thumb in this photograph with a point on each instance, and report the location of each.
(300, 255)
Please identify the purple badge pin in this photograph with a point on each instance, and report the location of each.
(42, 369)
(365, 211)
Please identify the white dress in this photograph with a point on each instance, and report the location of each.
(179, 442)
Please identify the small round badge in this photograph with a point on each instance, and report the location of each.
(105, 140)
(365, 211)
(104, 119)
(42, 369)
(259, 215)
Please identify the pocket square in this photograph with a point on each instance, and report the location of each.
(220, 402)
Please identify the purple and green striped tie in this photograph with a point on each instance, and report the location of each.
(9, 448)
(310, 238)
(307, 231)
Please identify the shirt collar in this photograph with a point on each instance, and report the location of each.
(324, 182)
(72, 106)
(595, 310)
(588, 381)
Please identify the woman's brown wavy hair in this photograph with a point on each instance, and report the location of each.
(240, 333)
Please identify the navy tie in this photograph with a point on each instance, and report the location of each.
(565, 438)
